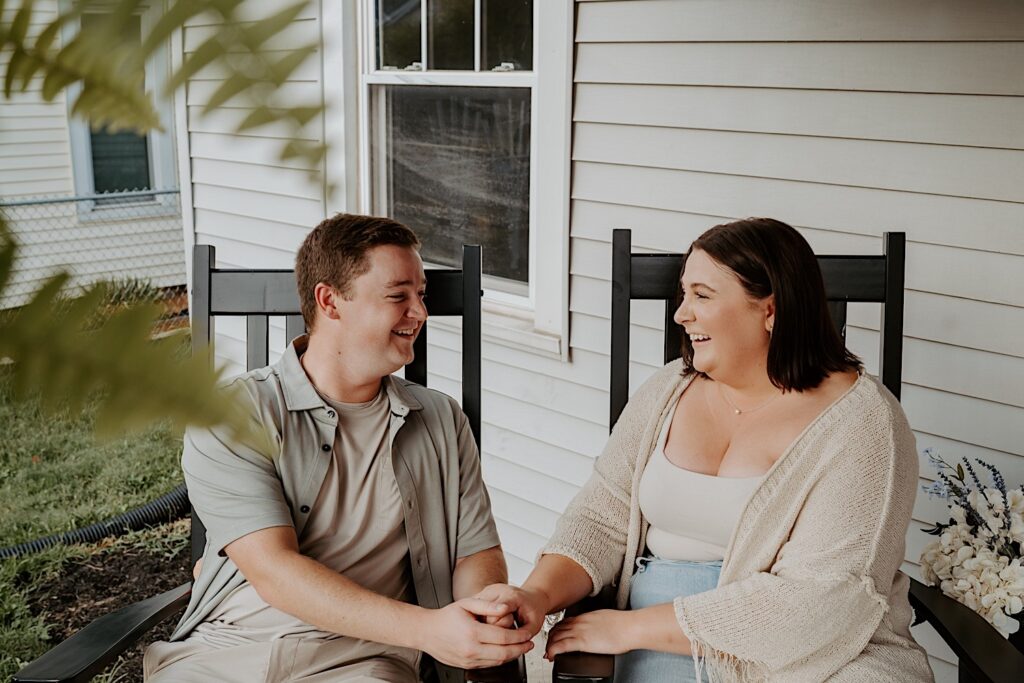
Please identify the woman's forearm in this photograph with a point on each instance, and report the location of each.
(656, 628)
(562, 582)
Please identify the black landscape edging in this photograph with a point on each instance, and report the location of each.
(167, 508)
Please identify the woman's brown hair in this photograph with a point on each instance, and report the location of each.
(771, 258)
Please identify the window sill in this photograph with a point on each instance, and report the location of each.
(510, 327)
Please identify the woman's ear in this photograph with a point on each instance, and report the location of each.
(769, 313)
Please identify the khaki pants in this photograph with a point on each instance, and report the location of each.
(291, 660)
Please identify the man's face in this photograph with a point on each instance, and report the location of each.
(383, 314)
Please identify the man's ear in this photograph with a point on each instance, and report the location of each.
(327, 299)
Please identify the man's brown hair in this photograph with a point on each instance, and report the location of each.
(335, 253)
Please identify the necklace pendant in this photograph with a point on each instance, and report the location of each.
(738, 411)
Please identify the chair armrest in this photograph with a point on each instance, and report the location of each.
(572, 667)
(967, 633)
(513, 671)
(92, 649)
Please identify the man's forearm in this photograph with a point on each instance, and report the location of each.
(475, 572)
(306, 589)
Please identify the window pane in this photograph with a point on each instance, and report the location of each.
(398, 33)
(120, 161)
(453, 163)
(508, 33)
(451, 41)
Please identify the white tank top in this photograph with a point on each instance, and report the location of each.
(692, 515)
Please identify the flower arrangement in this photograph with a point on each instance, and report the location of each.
(977, 557)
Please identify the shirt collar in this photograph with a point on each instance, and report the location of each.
(300, 394)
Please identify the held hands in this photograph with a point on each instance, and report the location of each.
(454, 636)
(527, 607)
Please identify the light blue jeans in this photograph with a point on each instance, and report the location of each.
(656, 582)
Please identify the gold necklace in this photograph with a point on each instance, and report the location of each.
(749, 410)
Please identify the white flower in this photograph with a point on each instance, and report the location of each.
(1016, 500)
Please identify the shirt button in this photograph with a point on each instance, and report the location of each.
(326, 447)
(304, 509)
(409, 504)
(330, 413)
(419, 562)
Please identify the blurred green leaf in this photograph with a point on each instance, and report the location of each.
(69, 347)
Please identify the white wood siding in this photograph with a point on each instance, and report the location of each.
(845, 121)
(35, 163)
(34, 152)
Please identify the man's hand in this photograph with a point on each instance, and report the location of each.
(605, 631)
(453, 635)
(527, 606)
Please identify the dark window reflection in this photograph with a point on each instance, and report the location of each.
(398, 32)
(507, 34)
(120, 161)
(451, 41)
(457, 170)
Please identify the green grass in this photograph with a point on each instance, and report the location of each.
(55, 477)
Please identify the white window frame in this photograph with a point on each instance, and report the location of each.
(163, 172)
(536, 322)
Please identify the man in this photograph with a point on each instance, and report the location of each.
(338, 555)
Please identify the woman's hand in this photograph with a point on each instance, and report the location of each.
(605, 631)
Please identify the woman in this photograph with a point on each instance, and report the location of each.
(752, 501)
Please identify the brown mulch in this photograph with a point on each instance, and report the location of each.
(105, 582)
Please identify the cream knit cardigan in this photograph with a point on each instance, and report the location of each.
(810, 588)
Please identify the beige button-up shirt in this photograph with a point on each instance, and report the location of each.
(236, 489)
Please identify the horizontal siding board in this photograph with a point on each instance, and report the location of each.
(952, 320)
(257, 178)
(969, 372)
(199, 93)
(933, 169)
(1011, 464)
(288, 210)
(231, 253)
(26, 123)
(251, 11)
(567, 433)
(953, 221)
(933, 118)
(225, 120)
(517, 541)
(988, 424)
(965, 68)
(527, 484)
(567, 398)
(11, 153)
(527, 515)
(308, 70)
(253, 230)
(568, 467)
(645, 21)
(295, 35)
(586, 369)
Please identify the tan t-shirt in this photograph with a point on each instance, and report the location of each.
(357, 529)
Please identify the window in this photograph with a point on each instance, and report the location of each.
(107, 161)
(451, 95)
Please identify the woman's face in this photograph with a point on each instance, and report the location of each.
(729, 331)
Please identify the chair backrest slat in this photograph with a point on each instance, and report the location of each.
(294, 325)
(855, 278)
(259, 294)
(257, 341)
